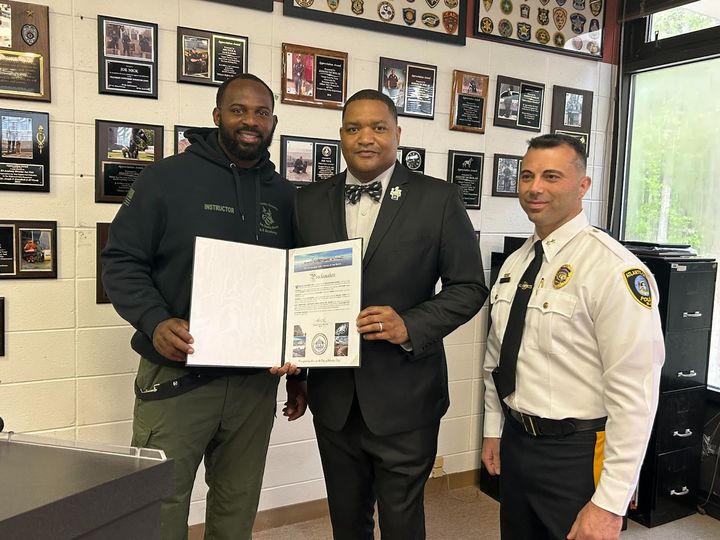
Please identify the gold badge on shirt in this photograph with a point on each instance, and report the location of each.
(638, 285)
(562, 276)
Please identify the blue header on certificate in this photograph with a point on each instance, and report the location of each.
(323, 259)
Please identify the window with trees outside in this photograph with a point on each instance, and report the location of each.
(672, 153)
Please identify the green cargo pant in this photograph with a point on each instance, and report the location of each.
(228, 421)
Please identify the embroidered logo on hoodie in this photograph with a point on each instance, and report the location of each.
(267, 224)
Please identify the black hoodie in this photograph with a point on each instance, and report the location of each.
(148, 258)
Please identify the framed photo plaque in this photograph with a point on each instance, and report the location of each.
(468, 102)
(28, 249)
(24, 51)
(123, 150)
(506, 174)
(313, 77)
(127, 57)
(205, 57)
(410, 85)
(180, 142)
(412, 157)
(465, 169)
(24, 151)
(304, 160)
(572, 113)
(519, 104)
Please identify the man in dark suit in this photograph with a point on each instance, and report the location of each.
(377, 425)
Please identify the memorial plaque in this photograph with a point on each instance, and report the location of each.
(24, 151)
(412, 157)
(465, 169)
(123, 150)
(304, 160)
(519, 104)
(206, 57)
(28, 249)
(24, 51)
(313, 77)
(468, 102)
(572, 113)
(127, 57)
(410, 85)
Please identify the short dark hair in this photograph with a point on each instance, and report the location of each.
(369, 93)
(242, 77)
(553, 140)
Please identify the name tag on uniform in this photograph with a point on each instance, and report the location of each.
(505, 279)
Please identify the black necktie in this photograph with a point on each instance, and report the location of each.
(515, 325)
(354, 191)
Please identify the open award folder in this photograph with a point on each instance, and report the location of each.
(257, 306)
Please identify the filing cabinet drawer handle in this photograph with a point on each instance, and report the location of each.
(687, 433)
(683, 491)
(691, 373)
(693, 315)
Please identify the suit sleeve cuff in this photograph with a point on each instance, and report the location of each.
(492, 425)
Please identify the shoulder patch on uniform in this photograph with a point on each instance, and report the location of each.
(638, 285)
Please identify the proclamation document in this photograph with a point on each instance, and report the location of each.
(257, 306)
(324, 284)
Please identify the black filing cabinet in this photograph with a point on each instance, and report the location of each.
(669, 477)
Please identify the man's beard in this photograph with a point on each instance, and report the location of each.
(240, 150)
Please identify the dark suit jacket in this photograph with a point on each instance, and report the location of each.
(423, 236)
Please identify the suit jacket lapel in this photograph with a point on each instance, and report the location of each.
(389, 209)
(336, 199)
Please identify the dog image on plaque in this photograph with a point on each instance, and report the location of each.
(131, 143)
(299, 161)
(128, 41)
(509, 101)
(394, 85)
(36, 250)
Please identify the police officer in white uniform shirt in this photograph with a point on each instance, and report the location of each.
(573, 360)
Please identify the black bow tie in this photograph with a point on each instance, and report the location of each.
(354, 191)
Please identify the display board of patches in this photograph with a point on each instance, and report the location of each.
(438, 20)
(565, 26)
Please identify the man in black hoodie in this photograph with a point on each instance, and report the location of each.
(224, 186)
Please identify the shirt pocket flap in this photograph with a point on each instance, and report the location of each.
(550, 301)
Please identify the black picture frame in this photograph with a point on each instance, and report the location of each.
(117, 162)
(539, 25)
(127, 57)
(572, 113)
(466, 169)
(24, 51)
(102, 233)
(304, 160)
(260, 5)
(504, 166)
(180, 143)
(519, 104)
(412, 157)
(34, 249)
(412, 86)
(432, 21)
(2, 326)
(209, 58)
(24, 151)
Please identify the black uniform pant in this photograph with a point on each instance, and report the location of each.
(361, 468)
(546, 481)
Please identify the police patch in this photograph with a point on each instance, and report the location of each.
(562, 276)
(639, 287)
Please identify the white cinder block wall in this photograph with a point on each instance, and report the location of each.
(68, 368)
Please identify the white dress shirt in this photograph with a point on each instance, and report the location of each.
(590, 347)
(360, 217)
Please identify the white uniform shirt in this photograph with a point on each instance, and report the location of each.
(360, 217)
(590, 347)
